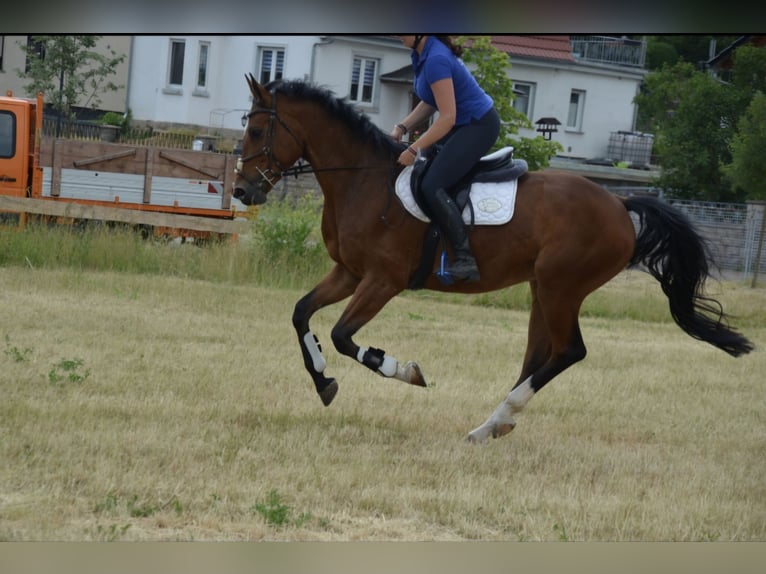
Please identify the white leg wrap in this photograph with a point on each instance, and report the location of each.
(503, 414)
(518, 398)
(316, 355)
(388, 368)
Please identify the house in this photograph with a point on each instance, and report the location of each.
(200, 79)
(586, 83)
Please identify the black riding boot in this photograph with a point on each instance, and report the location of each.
(451, 222)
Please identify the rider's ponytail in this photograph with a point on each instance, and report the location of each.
(447, 41)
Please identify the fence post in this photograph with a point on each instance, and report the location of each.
(758, 206)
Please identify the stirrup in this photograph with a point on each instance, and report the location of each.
(443, 274)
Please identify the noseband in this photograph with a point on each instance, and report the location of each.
(268, 176)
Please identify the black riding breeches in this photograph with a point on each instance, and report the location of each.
(460, 150)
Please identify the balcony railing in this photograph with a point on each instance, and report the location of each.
(609, 50)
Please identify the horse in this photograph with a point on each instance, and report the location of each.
(568, 236)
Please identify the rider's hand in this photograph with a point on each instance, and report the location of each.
(407, 158)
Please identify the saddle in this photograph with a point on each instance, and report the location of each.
(496, 167)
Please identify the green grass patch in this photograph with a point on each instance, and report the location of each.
(277, 513)
(15, 353)
(68, 371)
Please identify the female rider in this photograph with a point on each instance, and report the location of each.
(466, 127)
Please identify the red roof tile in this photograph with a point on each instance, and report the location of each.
(554, 47)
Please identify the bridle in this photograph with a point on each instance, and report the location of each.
(268, 175)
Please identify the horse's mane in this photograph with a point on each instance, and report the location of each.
(358, 123)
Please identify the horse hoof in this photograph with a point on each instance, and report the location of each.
(476, 438)
(328, 393)
(502, 429)
(482, 434)
(414, 374)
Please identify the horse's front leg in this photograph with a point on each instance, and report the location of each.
(337, 285)
(370, 297)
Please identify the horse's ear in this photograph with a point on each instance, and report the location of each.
(260, 94)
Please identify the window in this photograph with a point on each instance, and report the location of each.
(7, 134)
(176, 71)
(271, 64)
(363, 76)
(34, 48)
(204, 52)
(525, 95)
(576, 105)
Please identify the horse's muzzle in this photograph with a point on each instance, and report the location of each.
(249, 194)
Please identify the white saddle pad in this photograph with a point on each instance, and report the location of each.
(493, 203)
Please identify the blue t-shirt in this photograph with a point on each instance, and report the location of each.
(438, 62)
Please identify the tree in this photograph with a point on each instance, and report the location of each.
(749, 71)
(691, 48)
(490, 67)
(747, 169)
(659, 54)
(69, 71)
(695, 141)
(693, 118)
(660, 95)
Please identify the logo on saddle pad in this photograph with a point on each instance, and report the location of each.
(493, 202)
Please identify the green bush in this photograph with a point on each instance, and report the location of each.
(112, 119)
(290, 230)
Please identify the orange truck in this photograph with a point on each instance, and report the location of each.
(178, 192)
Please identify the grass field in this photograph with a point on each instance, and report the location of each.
(143, 406)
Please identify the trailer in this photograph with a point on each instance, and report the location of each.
(179, 192)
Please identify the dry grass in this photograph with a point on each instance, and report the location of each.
(160, 408)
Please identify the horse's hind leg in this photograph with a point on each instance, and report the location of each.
(555, 343)
(337, 285)
(538, 340)
(537, 354)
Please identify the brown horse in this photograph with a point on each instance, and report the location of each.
(568, 237)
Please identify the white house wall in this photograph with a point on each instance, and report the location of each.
(333, 65)
(227, 94)
(608, 103)
(325, 61)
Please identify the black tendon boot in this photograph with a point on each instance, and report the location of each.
(451, 222)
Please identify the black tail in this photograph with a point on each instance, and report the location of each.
(674, 253)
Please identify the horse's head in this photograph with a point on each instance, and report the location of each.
(269, 147)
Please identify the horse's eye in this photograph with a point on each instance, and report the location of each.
(255, 133)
